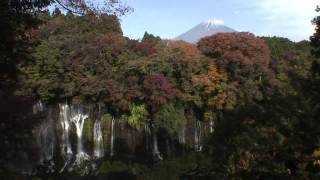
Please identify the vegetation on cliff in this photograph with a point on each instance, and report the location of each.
(260, 95)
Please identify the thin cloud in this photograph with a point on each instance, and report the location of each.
(288, 17)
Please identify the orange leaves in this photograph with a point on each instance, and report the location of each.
(245, 59)
(201, 81)
(212, 87)
(208, 82)
(189, 50)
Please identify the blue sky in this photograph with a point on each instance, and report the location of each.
(170, 18)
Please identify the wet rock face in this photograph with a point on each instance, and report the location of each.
(73, 137)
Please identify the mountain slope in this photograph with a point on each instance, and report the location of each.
(204, 29)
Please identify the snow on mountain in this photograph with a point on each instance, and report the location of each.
(206, 28)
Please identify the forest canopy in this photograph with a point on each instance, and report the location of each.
(258, 96)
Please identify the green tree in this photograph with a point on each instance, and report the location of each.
(150, 38)
(171, 117)
(138, 115)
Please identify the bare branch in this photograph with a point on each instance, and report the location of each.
(82, 7)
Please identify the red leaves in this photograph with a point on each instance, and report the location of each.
(113, 90)
(143, 48)
(133, 90)
(158, 90)
(243, 48)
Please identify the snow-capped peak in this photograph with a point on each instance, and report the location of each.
(206, 28)
(213, 22)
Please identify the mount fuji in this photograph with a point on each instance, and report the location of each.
(206, 28)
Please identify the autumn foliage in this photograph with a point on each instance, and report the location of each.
(262, 112)
(189, 50)
(158, 91)
(240, 47)
(142, 48)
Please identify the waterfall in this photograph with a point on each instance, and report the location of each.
(147, 137)
(71, 123)
(211, 124)
(200, 133)
(64, 117)
(66, 150)
(197, 136)
(38, 107)
(155, 150)
(182, 136)
(78, 118)
(196, 140)
(112, 137)
(46, 139)
(98, 141)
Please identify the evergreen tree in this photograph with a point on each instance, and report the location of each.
(150, 38)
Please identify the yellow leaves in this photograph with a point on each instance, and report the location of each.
(213, 73)
(201, 81)
(213, 89)
(316, 156)
(316, 153)
(218, 101)
(210, 82)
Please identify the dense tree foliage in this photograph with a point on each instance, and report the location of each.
(18, 17)
(257, 95)
(242, 48)
(315, 42)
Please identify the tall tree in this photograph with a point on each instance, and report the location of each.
(315, 42)
(158, 91)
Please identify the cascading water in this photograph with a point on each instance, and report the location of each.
(46, 142)
(38, 107)
(72, 121)
(98, 151)
(197, 136)
(66, 151)
(78, 118)
(46, 139)
(211, 124)
(147, 137)
(155, 150)
(112, 137)
(65, 125)
(182, 136)
(45, 134)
